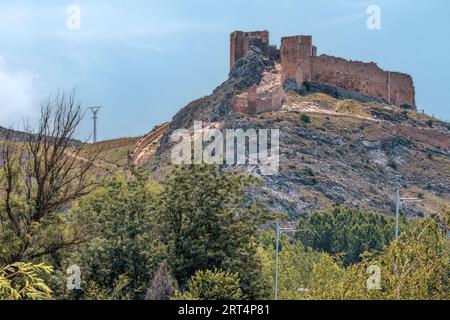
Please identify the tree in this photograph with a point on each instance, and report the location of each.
(348, 232)
(206, 225)
(416, 267)
(294, 267)
(124, 247)
(163, 285)
(39, 178)
(212, 285)
(22, 281)
(445, 217)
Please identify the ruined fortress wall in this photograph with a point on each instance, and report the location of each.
(296, 55)
(299, 61)
(240, 43)
(254, 101)
(402, 89)
(365, 78)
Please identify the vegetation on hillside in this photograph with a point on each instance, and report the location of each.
(192, 235)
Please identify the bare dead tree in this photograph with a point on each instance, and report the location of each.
(163, 286)
(46, 172)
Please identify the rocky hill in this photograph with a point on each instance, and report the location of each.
(332, 151)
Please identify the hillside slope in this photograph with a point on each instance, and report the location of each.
(332, 151)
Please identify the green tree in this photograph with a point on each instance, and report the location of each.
(206, 225)
(348, 232)
(124, 249)
(416, 267)
(22, 281)
(294, 267)
(212, 285)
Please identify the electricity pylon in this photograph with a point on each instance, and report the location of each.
(95, 111)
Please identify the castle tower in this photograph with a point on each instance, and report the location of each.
(296, 58)
(240, 43)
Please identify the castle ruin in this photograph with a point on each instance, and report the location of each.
(297, 65)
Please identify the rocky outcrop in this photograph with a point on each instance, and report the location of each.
(338, 148)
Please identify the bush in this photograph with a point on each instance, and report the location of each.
(212, 285)
(305, 118)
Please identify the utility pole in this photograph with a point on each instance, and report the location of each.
(95, 111)
(398, 203)
(277, 245)
(277, 249)
(397, 211)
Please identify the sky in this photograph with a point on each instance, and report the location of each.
(143, 60)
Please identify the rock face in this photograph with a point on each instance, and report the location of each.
(353, 151)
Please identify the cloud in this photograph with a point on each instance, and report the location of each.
(17, 95)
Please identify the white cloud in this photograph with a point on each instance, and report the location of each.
(17, 95)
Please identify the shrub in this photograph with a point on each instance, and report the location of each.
(305, 118)
(212, 285)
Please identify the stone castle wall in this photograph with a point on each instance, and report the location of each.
(299, 62)
(361, 77)
(240, 43)
(402, 89)
(365, 78)
(264, 97)
(296, 56)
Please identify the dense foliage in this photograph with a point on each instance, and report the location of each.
(67, 234)
(212, 285)
(124, 247)
(348, 232)
(23, 281)
(206, 225)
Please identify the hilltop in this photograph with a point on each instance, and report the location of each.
(333, 151)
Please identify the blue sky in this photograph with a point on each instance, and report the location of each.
(143, 60)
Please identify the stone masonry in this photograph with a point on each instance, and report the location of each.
(298, 61)
(240, 43)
